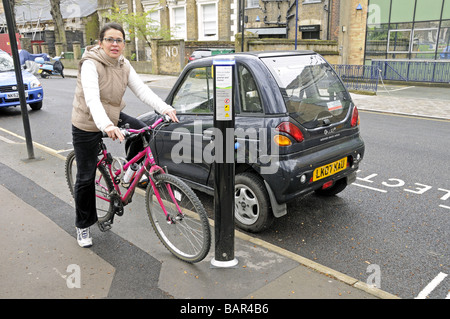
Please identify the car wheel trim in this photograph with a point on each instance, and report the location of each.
(246, 205)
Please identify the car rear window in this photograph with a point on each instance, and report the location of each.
(313, 93)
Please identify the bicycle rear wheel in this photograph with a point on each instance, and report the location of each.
(103, 187)
(185, 230)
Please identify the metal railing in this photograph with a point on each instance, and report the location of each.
(433, 71)
(358, 77)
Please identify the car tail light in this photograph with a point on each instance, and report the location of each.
(355, 117)
(291, 129)
(282, 140)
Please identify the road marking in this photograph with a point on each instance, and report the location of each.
(372, 188)
(400, 89)
(62, 151)
(7, 140)
(443, 206)
(38, 145)
(430, 287)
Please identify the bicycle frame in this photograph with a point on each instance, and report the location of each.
(148, 163)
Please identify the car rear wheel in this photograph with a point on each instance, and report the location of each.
(252, 205)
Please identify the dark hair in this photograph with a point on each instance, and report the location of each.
(111, 25)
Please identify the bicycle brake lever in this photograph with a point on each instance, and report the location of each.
(125, 133)
(167, 118)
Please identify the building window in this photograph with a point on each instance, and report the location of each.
(444, 41)
(310, 32)
(399, 41)
(428, 10)
(408, 29)
(311, 1)
(208, 21)
(178, 23)
(311, 35)
(402, 11)
(252, 3)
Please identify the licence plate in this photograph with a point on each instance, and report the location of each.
(39, 71)
(330, 169)
(15, 95)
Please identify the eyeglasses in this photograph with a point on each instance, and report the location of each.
(112, 40)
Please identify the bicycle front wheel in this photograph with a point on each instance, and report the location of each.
(183, 228)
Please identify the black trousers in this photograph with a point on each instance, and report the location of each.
(86, 150)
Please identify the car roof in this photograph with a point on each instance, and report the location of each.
(264, 54)
(258, 54)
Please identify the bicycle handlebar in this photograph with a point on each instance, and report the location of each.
(128, 132)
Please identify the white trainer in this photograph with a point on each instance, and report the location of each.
(84, 237)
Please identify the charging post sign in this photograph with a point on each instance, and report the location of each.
(224, 163)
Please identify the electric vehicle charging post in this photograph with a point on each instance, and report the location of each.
(224, 165)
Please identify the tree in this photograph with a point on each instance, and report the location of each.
(138, 24)
(55, 11)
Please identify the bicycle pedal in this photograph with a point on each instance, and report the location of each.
(143, 184)
(105, 226)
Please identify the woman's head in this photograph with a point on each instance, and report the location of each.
(112, 39)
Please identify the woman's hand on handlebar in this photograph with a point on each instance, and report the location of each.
(172, 114)
(114, 133)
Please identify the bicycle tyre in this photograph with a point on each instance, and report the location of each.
(103, 186)
(189, 237)
(70, 179)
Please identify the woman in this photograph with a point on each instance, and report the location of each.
(103, 76)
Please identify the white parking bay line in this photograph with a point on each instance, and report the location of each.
(7, 140)
(443, 206)
(372, 188)
(430, 287)
(400, 89)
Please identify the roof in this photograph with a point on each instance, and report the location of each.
(39, 10)
(265, 54)
(255, 54)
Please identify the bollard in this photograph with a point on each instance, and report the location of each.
(224, 164)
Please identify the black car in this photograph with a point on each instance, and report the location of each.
(296, 125)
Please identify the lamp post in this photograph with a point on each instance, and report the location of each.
(242, 23)
(19, 78)
(296, 23)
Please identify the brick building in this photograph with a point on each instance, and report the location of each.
(214, 20)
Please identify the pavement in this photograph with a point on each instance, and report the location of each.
(40, 257)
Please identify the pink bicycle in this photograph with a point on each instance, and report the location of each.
(175, 212)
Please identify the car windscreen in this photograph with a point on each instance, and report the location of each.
(313, 93)
(6, 63)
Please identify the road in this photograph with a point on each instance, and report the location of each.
(390, 228)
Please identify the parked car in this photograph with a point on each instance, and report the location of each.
(299, 132)
(202, 53)
(9, 96)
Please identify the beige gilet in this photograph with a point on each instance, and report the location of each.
(112, 80)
